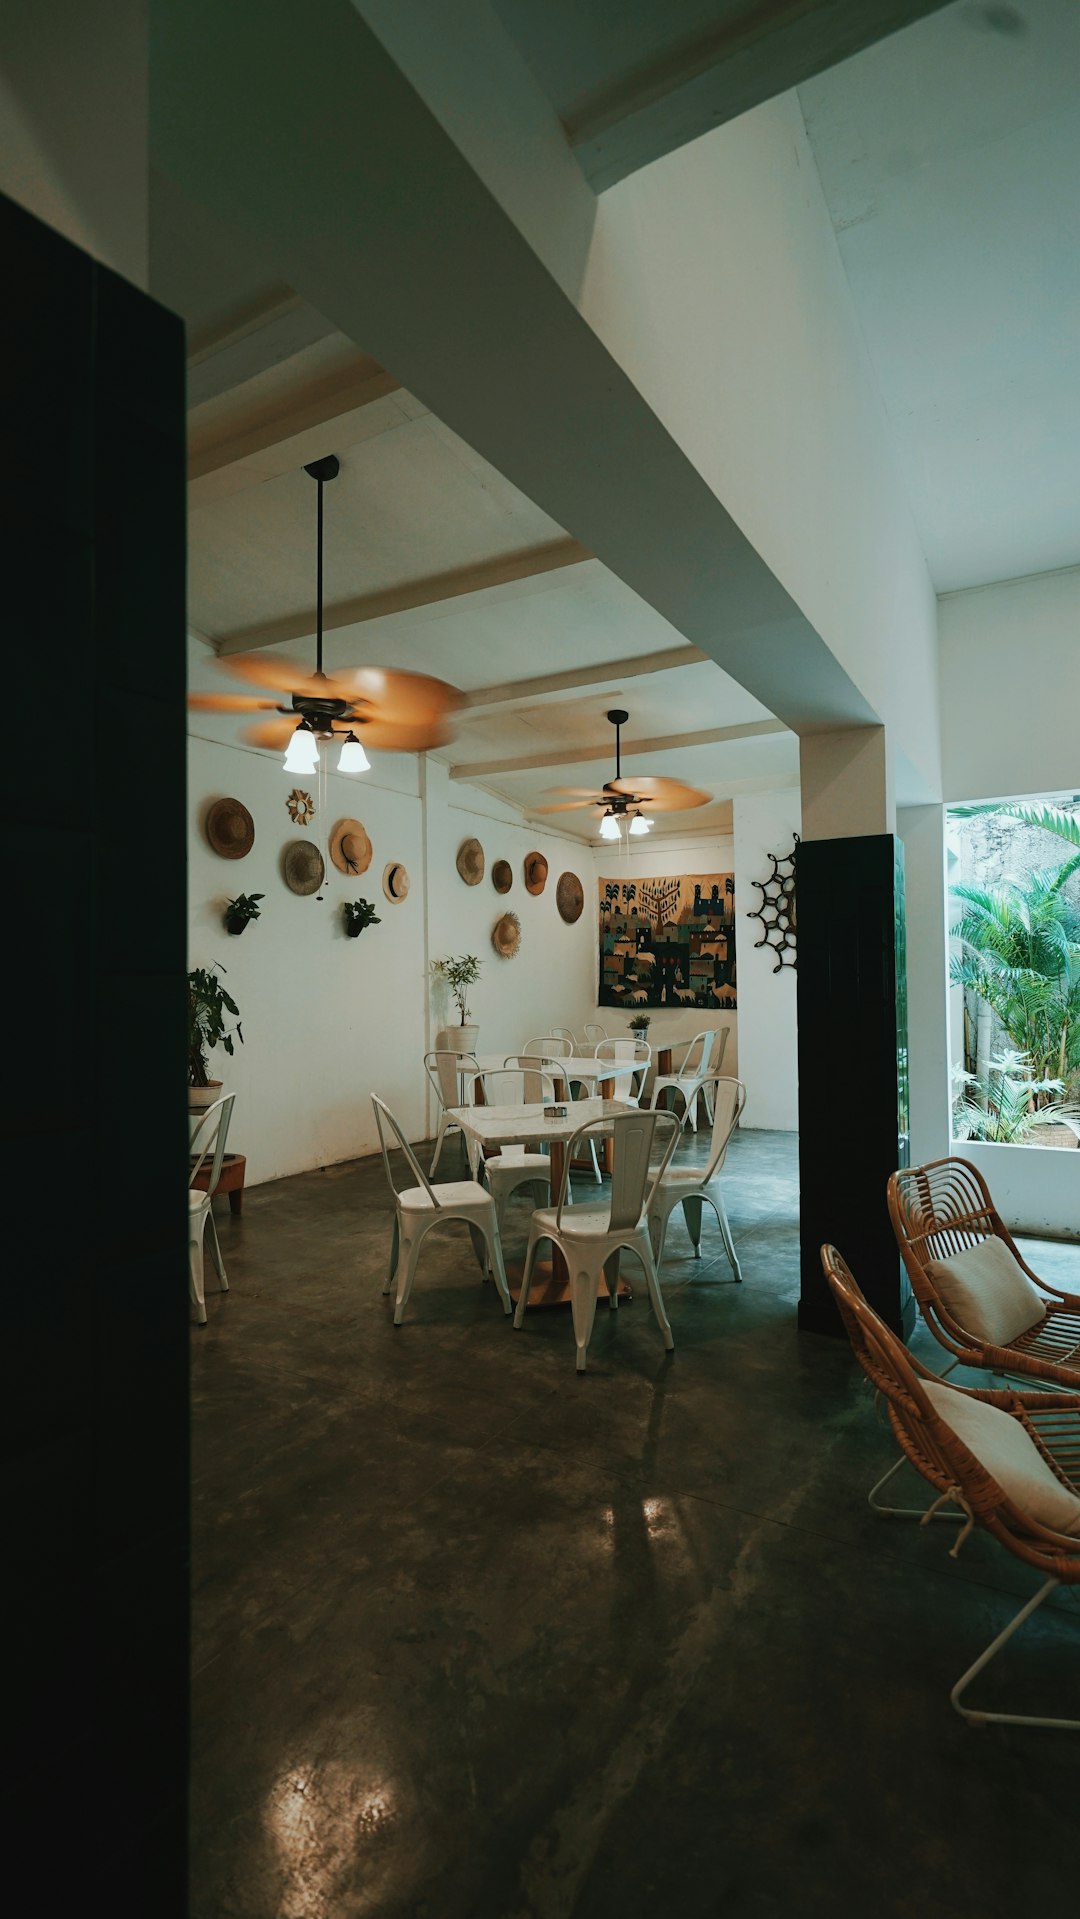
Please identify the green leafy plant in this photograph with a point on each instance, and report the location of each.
(357, 915)
(1004, 1111)
(209, 1005)
(1021, 955)
(459, 973)
(239, 911)
(640, 1024)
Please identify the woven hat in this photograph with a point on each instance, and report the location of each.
(536, 872)
(502, 876)
(470, 862)
(506, 935)
(395, 881)
(569, 897)
(303, 866)
(350, 848)
(230, 829)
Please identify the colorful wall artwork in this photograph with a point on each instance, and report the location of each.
(668, 942)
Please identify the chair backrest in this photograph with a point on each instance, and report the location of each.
(720, 1040)
(207, 1147)
(593, 1032)
(617, 1049)
(386, 1123)
(642, 1145)
(937, 1210)
(928, 1441)
(697, 1055)
(524, 1085)
(729, 1102)
(451, 1076)
(548, 1046)
(563, 1032)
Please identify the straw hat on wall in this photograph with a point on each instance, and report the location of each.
(470, 862)
(230, 829)
(536, 872)
(506, 935)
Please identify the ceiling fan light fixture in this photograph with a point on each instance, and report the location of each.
(639, 824)
(302, 752)
(352, 758)
(609, 827)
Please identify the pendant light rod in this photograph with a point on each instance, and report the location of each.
(321, 471)
(618, 719)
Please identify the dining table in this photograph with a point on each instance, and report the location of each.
(494, 1127)
(599, 1077)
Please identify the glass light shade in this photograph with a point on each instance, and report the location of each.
(353, 759)
(609, 827)
(302, 752)
(639, 824)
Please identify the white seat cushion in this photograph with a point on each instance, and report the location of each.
(987, 1293)
(999, 1442)
(451, 1193)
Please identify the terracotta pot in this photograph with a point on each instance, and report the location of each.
(200, 1097)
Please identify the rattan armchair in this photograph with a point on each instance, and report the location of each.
(920, 1406)
(938, 1210)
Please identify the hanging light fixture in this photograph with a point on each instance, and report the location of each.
(622, 800)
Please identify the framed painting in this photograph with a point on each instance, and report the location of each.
(668, 942)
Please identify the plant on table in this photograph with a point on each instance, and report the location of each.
(459, 973)
(640, 1024)
(209, 1009)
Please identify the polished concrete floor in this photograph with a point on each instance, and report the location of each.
(477, 1638)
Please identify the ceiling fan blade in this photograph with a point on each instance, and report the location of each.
(576, 792)
(404, 698)
(231, 703)
(566, 806)
(393, 736)
(271, 670)
(274, 733)
(668, 796)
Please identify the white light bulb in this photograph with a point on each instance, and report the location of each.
(639, 824)
(302, 752)
(353, 759)
(609, 827)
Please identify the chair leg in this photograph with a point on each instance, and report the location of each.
(410, 1254)
(976, 1718)
(907, 1512)
(526, 1278)
(215, 1253)
(195, 1272)
(692, 1214)
(494, 1250)
(643, 1250)
(440, 1138)
(480, 1247)
(395, 1247)
(584, 1286)
(717, 1204)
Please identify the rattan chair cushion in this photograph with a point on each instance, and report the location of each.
(987, 1292)
(1002, 1447)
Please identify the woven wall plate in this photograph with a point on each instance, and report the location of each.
(506, 935)
(470, 862)
(303, 866)
(230, 829)
(502, 876)
(536, 872)
(569, 897)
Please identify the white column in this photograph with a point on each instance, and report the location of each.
(846, 780)
(922, 829)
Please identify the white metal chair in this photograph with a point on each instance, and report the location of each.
(588, 1239)
(419, 1208)
(449, 1074)
(700, 1069)
(690, 1186)
(594, 1033)
(548, 1046)
(207, 1151)
(639, 1050)
(513, 1167)
(563, 1032)
(576, 1088)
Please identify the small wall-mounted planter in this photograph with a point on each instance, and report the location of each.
(358, 914)
(240, 911)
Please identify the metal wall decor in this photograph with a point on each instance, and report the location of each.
(777, 909)
(301, 806)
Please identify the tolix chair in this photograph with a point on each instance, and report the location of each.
(419, 1208)
(692, 1186)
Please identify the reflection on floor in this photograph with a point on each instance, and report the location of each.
(477, 1636)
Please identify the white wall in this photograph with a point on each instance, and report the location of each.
(1036, 1189)
(768, 1028)
(715, 280)
(1010, 687)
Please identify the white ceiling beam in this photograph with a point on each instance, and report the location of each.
(408, 594)
(258, 340)
(584, 755)
(513, 693)
(286, 433)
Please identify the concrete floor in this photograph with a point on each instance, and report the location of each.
(477, 1638)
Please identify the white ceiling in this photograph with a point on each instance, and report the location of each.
(950, 159)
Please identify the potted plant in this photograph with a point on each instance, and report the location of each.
(209, 1008)
(358, 914)
(239, 911)
(459, 973)
(640, 1024)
